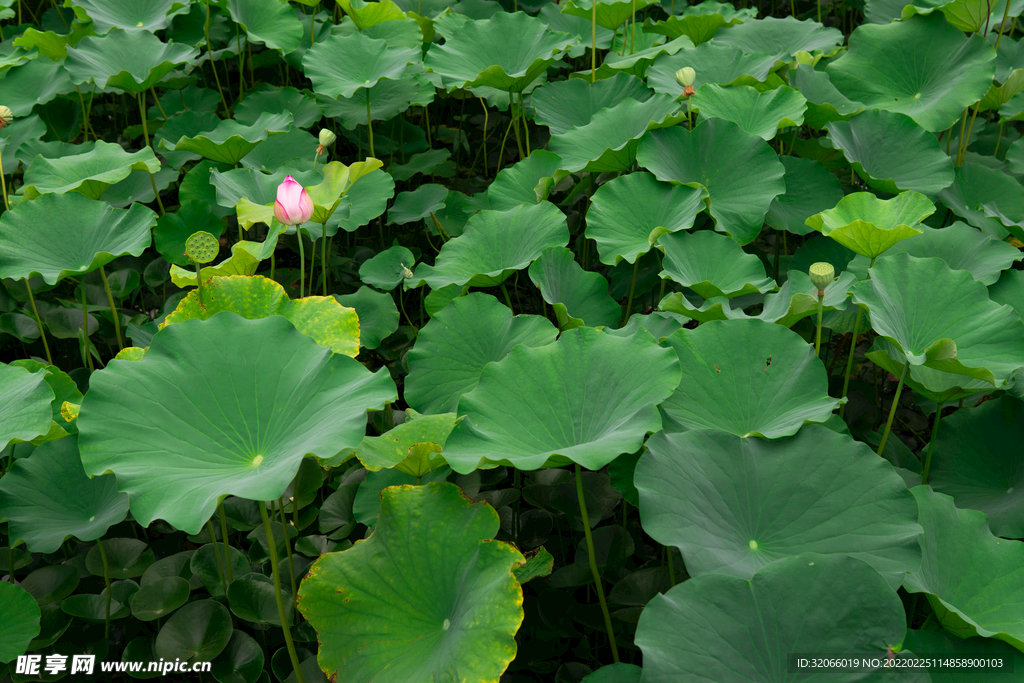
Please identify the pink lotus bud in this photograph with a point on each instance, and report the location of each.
(293, 205)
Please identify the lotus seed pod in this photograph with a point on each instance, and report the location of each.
(6, 116)
(201, 247)
(327, 138)
(821, 274)
(685, 76)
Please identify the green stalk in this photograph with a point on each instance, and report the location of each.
(927, 464)
(199, 281)
(145, 133)
(849, 361)
(817, 336)
(224, 537)
(515, 122)
(369, 124)
(106, 582)
(892, 410)
(216, 554)
(508, 301)
(302, 260)
(632, 288)
(113, 309)
(593, 565)
(323, 258)
(87, 361)
(671, 567)
(213, 65)
(39, 322)
(287, 544)
(272, 548)
(593, 43)
(3, 185)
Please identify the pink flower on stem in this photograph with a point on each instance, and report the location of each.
(293, 205)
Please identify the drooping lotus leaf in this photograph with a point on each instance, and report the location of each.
(699, 27)
(288, 148)
(130, 15)
(723, 628)
(935, 385)
(494, 245)
(388, 98)
(810, 189)
(341, 65)
(562, 105)
(211, 417)
(321, 318)
(733, 505)
(455, 613)
(973, 580)
(398, 447)
(36, 238)
(578, 297)
(416, 205)
(758, 113)
(270, 22)
(797, 298)
(712, 265)
(718, 64)
(916, 163)
(37, 81)
(90, 173)
(231, 140)
(781, 38)
(824, 102)
(977, 186)
(587, 398)
(46, 498)
(974, 462)
(452, 349)
(378, 315)
(868, 225)
(19, 620)
(578, 26)
(369, 14)
(609, 141)
(528, 181)
(967, 15)
(64, 391)
(647, 48)
(25, 401)
(962, 248)
(629, 213)
(942, 318)
(610, 15)
(747, 378)
(271, 99)
(128, 60)
(922, 67)
(741, 173)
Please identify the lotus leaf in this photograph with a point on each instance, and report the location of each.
(712, 265)
(563, 105)
(935, 385)
(37, 81)
(341, 65)
(975, 187)
(416, 205)
(757, 113)
(388, 98)
(128, 60)
(20, 621)
(90, 173)
(279, 397)
(610, 15)
(810, 189)
(781, 38)
(716, 64)
(578, 297)
(378, 315)
(130, 15)
(962, 248)
(456, 612)
(587, 398)
(25, 400)
(398, 447)
(230, 140)
(824, 102)
(270, 22)
(868, 225)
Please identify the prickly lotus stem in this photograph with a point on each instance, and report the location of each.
(822, 275)
(6, 116)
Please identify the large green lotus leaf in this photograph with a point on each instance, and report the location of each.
(321, 318)
(429, 596)
(522, 46)
(758, 113)
(270, 22)
(46, 498)
(396, 446)
(25, 399)
(639, 61)
(943, 644)
(824, 102)
(969, 16)
(37, 238)
(733, 505)
(341, 65)
(378, 315)
(698, 27)
(868, 225)
(257, 186)
(976, 186)
(231, 140)
(610, 15)
(452, 349)
(579, 297)
(962, 248)
(494, 245)
(810, 189)
(936, 385)
(173, 229)
(973, 580)
(271, 99)
(290, 147)
(1009, 290)
(748, 378)
(587, 398)
(204, 415)
(716, 64)
(942, 318)
(629, 213)
(388, 269)
(577, 26)
(369, 14)
(916, 163)
(37, 81)
(730, 630)
(608, 142)
(89, 174)
(528, 181)
(712, 265)
(19, 620)
(388, 98)
(562, 105)
(741, 173)
(128, 60)
(64, 389)
(781, 38)
(975, 462)
(130, 15)
(922, 67)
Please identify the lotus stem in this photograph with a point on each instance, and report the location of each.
(593, 42)
(323, 257)
(145, 133)
(369, 124)
(927, 464)
(106, 582)
(302, 260)
(632, 35)
(849, 361)
(213, 65)
(632, 288)
(199, 281)
(224, 538)
(216, 555)
(817, 336)
(159, 106)
(287, 544)
(892, 410)
(113, 310)
(483, 103)
(3, 184)
(272, 550)
(39, 322)
(671, 567)
(508, 300)
(515, 122)
(593, 564)
(87, 359)
(526, 128)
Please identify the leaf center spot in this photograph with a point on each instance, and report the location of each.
(917, 96)
(1009, 490)
(93, 518)
(753, 545)
(257, 461)
(446, 624)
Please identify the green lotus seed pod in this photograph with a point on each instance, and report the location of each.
(327, 138)
(6, 116)
(685, 76)
(201, 247)
(821, 274)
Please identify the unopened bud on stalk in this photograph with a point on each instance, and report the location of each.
(685, 76)
(327, 138)
(6, 116)
(822, 275)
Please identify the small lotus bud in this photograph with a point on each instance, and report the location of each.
(685, 76)
(327, 138)
(822, 275)
(6, 116)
